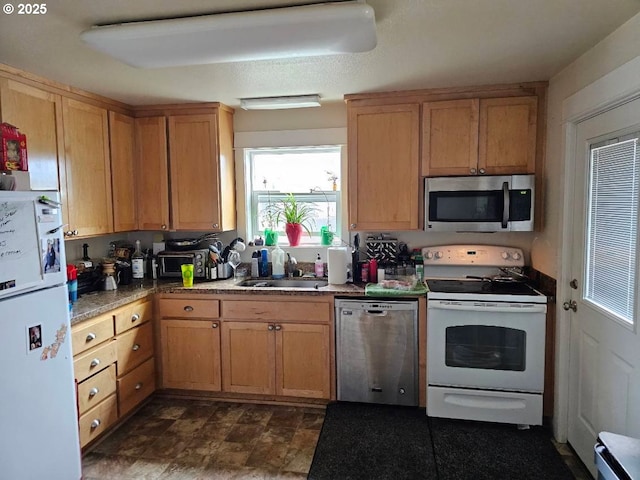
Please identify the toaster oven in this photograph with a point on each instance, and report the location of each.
(169, 262)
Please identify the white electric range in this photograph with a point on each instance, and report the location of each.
(485, 336)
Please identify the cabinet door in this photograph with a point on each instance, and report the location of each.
(508, 135)
(122, 142)
(384, 167)
(153, 173)
(450, 137)
(190, 354)
(303, 360)
(38, 115)
(195, 185)
(248, 357)
(85, 173)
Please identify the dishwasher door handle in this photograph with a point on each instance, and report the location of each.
(377, 313)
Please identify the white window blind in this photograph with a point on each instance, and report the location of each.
(612, 227)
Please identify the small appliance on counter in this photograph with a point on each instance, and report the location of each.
(169, 263)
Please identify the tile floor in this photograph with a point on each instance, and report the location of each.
(191, 439)
(179, 439)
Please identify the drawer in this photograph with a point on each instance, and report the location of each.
(136, 385)
(276, 311)
(95, 389)
(134, 347)
(94, 361)
(91, 333)
(133, 315)
(98, 420)
(189, 308)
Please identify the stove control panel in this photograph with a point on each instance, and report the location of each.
(473, 255)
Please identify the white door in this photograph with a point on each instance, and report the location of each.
(604, 391)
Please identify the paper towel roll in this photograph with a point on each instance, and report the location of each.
(337, 259)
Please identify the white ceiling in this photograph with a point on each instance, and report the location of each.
(421, 44)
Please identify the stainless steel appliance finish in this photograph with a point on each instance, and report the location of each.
(377, 351)
(169, 262)
(479, 204)
(485, 339)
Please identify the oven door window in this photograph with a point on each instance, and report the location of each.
(485, 347)
(466, 206)
(172, 264)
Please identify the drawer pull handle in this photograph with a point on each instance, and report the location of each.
(278, 327)
(95, 424)
(135, 317)
(93, 392)
(188, 308)
(214, 325)
(95, 362)
(270, 327)
(138, 385)
(91, 336)
(135, 347)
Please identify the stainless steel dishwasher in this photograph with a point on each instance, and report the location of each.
(377, 351)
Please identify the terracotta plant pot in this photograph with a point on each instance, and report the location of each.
(294, 231)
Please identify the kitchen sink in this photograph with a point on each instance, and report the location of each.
(311, 283)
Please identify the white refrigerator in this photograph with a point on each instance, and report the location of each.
(38, 409)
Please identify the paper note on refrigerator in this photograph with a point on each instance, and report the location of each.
(19, 249)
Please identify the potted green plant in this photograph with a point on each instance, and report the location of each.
(296, 216)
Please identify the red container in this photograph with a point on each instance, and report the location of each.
(373, 270)
(364, 272)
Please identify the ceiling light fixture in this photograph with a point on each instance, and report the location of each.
(278, 103)
(308, 30)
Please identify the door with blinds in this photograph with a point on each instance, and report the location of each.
(604, 390)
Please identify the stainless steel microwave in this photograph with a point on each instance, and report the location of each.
(487, 203)
(169, 262)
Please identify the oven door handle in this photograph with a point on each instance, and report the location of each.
(479, 307)
(506, 206)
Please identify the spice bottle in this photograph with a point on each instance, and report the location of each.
(319, 267)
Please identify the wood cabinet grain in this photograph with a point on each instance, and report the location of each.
(123, 171)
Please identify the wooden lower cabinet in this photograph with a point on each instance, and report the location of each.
(190, 354)
(97, 420)
(136, 385)
(284, 359)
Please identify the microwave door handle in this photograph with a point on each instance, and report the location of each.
(506, 199)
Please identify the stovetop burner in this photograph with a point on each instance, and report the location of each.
(480, 287)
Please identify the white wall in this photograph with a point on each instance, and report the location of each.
(616, 49)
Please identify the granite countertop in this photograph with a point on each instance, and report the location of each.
(96, 303)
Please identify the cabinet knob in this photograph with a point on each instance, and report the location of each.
(135, 317)
(472, 171)
(353, 225)
(95, 424)
(163, 226)
(91, 336)
(95, 362)
(214, 325)
(138, 385)
(135, 347)
(482, 171)
(278, 327)
(215, 225)
(270, 327)
(188, 308)
(93, 392)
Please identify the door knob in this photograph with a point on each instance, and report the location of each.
(570, 305)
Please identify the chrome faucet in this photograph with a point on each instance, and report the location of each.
(291, 261)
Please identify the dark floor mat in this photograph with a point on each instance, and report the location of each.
(480, 450)
(364, 441)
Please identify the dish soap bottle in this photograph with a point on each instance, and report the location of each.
(277, 262)
(319, 267)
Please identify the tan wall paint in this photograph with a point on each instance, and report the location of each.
(331, 115)
(616, 49)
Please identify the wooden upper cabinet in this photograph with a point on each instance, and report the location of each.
(85, 170)
(508, 135)
(38, 114)
(153, 173)
(491, 136)
(384, 166)
(202, 173)
(450, 137)
(123, 160)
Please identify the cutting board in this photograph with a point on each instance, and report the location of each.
(376, 290)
